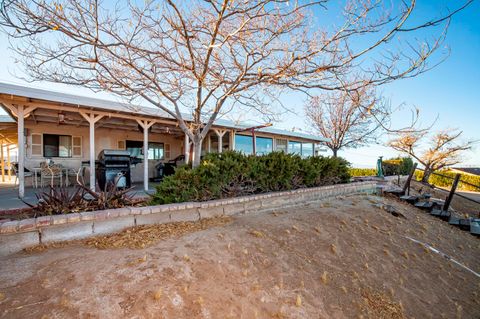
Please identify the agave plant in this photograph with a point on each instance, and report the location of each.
(59, 200)
(62, 200)
(110, 197)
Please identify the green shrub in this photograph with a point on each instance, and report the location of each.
(442, 181)
(232, 174)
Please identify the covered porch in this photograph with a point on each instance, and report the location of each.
(72, 136)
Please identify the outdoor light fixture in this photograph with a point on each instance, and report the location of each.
(61, 117)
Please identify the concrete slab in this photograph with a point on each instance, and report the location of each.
(13, 243)
(112, 225)
(63, 232)
(157, 218)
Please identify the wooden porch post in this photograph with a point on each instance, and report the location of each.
(9, 164)
(92, 119)
(146, 126)
(21, 112)
(187, 149)
(232, 140)
(3, 161)
(220, 134)
(21, 151)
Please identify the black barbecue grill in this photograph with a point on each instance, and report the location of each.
(113, 168)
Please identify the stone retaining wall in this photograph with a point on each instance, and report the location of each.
(16, 235)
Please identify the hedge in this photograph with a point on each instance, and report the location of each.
(231, 174)
(441, 181)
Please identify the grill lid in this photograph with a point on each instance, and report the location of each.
(115, 155)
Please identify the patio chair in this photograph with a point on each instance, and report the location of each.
(51, 172)
(76, 175)
(26, 173)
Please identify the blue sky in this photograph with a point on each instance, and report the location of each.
(451, 91)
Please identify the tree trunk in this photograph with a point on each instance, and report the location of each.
(334, 150)
(197, 152)
(426, 175)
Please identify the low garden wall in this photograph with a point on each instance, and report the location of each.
(17, 235)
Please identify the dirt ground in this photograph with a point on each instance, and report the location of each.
(344, 258)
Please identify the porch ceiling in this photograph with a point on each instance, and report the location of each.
(62, 117)
(8, 133)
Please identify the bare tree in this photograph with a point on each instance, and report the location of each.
(442, 150)
(208, 57)
(348, 119)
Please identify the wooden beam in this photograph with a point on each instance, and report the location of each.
(146, 126)
(220, 133)
(92, 119)
(50, 106)
(9, 164)
(21, 152)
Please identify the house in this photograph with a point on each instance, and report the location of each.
(73, 129)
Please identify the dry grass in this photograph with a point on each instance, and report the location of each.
(144, 236)
(380, 306)
(139, 237)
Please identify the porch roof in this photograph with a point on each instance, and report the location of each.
(117, 107)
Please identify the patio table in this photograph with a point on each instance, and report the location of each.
(36, 170)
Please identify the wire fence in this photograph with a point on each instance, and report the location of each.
(460, 181)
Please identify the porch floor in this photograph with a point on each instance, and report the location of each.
(9, 194)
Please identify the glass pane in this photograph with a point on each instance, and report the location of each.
(155, 151)
(307, 149)
(294, 147)
(50, 145)
(135, 148)
(65, 146)
(281, 145)
(244, 144)
(264, 145)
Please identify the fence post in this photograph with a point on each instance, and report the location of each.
(452, 192)
(407, 183)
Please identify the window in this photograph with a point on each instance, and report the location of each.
(294, 147)
(281, 145)
(307, 149)
(57, 145)
(244, 144)
(77, 146)
(264, 145)
(155, 150)
(36, 144)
